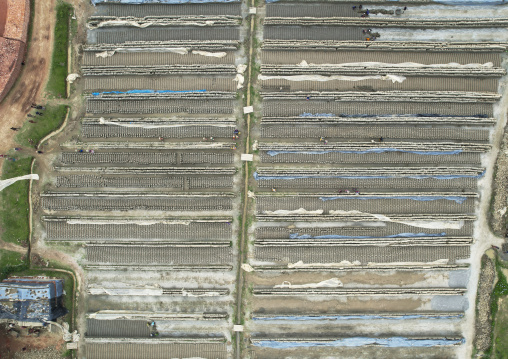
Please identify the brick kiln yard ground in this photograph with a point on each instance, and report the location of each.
(366, 243)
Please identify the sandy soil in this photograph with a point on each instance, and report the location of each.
(357, 279)
(290, 305)
(352, 353)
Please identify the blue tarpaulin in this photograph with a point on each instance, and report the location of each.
(338, 236)
(392, 342)
(306, 114)
(457, 199)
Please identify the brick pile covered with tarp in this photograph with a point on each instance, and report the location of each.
(31, 299)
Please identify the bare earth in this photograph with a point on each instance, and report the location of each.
(28, 89)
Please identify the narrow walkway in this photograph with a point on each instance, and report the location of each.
(242, 255)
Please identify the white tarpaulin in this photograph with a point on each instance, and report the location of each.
(71, 78)
(329, 283)
(8, 182)
(321, 78)
(212, 54)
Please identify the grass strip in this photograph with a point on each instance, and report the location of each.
(11, 262)
(499, 326)
(30, 25)
(14, 202)
(58, 74)
(51, 120)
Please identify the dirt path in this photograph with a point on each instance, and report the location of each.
(28, 89)
(12, 247)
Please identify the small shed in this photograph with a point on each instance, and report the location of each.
(31, 300)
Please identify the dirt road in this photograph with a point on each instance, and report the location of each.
(12, 247)
(28, 89)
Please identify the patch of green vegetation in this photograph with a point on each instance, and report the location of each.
(501, 331)
(14, 202)
(57, 85)
(499, 315)
(490, 213)
(30, 24)
(248, 222)
(256, 69)
(500, 289)
(51, 120)
(9, 258)
(11, 262)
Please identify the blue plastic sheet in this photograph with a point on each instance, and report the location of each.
(456, 199)
(371, 150)
(391, 342)
(258, 177)
(306, 114)
(359, 317)
(338, 236)
(147, 91)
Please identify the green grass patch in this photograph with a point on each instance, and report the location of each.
(11, 262)
(501, 331)
(14, 202)
(30, 25)
(57, 78)
(499, 315)
(52, 119)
